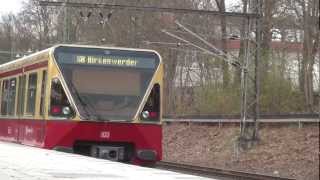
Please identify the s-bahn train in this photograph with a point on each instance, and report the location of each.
(97, 101)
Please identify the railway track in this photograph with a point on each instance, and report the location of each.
(215, 172)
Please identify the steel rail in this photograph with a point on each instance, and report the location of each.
(216, 172)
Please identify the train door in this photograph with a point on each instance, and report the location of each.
(42, 104)
(30, 108)
(8, 102)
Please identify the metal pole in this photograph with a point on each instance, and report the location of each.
(244, 82)
(319, 83)
(255, 135)
(11, 37)
(66, 23)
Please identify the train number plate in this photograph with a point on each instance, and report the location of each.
(105, 134)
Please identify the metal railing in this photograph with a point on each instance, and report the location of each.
(238, 120)
(266, 118)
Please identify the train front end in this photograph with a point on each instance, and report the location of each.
(106, 103)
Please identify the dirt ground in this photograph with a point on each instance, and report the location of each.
(285, 150)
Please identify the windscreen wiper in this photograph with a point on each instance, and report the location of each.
(95, 114)
(84, 105)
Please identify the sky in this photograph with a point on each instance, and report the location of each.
(10, 6)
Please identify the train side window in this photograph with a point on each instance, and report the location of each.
(12, 96)
(21, 94)
(151, 110)
(31, 93)
(59, 104)
(4, 100)
(43, 90)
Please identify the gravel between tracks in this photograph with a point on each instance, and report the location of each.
(285, 150)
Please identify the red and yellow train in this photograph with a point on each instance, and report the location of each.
(96, 101)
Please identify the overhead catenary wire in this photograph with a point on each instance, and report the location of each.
(219, 55)
(219, 52)
(200, 38)
(166, 43)
(147, 8)
(192, 44)
(178, 47)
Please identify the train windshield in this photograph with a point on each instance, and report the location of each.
(106, 84)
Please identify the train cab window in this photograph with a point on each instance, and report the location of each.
(4, 99)
(31, 93)
(151, 110)
(59, 104)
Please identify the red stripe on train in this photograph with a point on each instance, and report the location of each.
(25, 69)
(36, 66)
(52, 133)
(11, 73)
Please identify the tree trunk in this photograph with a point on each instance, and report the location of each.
(237, 77)
(310, 48)
(170, 71)
(267, 23)
(225, 65)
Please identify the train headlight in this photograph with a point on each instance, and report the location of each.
(145, 114)
(66, 110)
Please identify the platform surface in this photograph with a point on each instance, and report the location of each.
(20, 162)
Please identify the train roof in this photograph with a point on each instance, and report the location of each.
(41, 55)
(26, 60)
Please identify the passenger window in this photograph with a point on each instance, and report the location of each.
(21, 94)
(12, 96)
(59, 104)
(31, 93)
(4, 100)
(43, 91)
(151, 110)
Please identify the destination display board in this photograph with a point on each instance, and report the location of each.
(106, 60)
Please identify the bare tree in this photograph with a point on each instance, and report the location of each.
(307, 13)
(225, 66)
